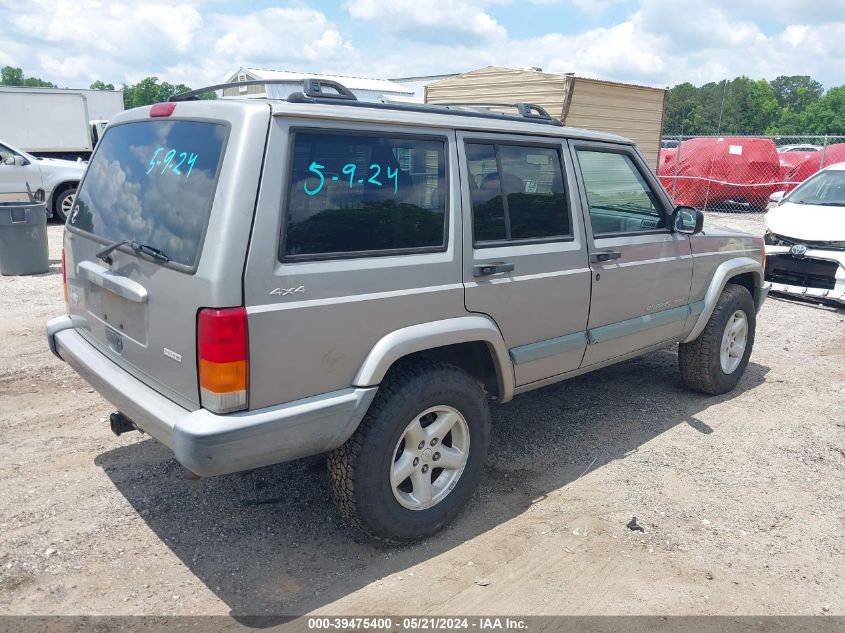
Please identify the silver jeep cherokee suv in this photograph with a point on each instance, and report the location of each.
(254, 281)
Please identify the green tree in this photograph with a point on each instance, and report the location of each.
(744, 106)
(12, 76)
(149, 91)
(99, 85)
(35, 82)
(787, 105)
(680, 109)
(825, 115)
(760, 108)
(796, 92)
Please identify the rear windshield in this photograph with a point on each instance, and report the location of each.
(153, 182)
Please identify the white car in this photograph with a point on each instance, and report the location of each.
(799, 148)
(805, 237)
(58, 179)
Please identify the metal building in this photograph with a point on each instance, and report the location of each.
(363, 88)
(632, 111)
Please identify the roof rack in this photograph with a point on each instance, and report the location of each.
(313, 92)
(313, 89)
(527, 110)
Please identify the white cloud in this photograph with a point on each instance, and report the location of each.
(593, 8)
(121, 30)
(73, 66)
(795, 34)
(792, 11)
(279, 34)
(429, 19)
(73, 42)
(660, 42)
(606, 53)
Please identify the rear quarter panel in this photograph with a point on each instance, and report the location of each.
(314, 341)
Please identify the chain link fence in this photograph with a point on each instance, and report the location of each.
(739, 173)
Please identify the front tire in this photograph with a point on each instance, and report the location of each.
(63, 203)
(715, 361)
(417, 456)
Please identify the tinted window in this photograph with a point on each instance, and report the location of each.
(153, 182)
(517, 193)
(488, 207)
(352, 193)
(620, 199)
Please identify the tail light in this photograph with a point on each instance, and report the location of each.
(64, 275)
(223, 358)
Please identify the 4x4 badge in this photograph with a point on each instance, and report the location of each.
(283, 292)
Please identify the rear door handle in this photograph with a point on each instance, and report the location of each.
(604, 256)
(493, 268)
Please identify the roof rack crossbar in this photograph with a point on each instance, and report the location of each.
(532, 110)
(314, 88)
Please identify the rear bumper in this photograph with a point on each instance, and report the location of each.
(207, 443)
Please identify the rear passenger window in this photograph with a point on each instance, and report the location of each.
(353, 195)
(517, 193)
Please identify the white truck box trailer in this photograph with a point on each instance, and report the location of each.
(56, 123)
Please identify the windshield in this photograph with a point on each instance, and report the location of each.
(153, 182)
(827, 188)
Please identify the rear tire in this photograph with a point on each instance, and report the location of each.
(424, 416)
(715, 361)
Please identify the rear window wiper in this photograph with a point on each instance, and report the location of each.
(152, 251)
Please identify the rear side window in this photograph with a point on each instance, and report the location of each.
(517, 193)
(153, 182)
(353, 195)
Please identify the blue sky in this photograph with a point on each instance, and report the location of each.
(653, 42)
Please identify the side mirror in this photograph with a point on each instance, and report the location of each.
(688, 220)
(775, 199)
(12, 160)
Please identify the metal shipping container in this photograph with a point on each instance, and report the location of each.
(632, 111)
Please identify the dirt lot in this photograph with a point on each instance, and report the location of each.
(742, 497)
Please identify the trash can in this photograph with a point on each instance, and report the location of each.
(23, 238)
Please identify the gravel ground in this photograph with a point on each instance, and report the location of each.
(741, 497)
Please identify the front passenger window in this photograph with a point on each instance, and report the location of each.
(620, 199)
